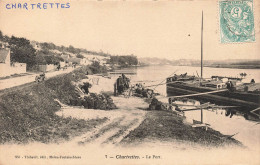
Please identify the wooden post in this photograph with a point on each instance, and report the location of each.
(201, 113)
(115, 89)
(201, 74)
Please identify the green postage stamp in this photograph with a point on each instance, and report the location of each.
(236, 21)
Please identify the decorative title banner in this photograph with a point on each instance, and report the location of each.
(39, 6)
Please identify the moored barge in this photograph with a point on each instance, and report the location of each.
(232, 92)
(217, 90)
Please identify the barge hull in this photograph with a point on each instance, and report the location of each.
(216, 98)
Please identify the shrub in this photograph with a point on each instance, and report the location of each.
(95, 68)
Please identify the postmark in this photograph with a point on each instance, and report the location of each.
(236, 21)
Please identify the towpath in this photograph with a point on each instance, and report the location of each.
(127, 117)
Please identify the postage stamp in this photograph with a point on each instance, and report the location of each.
(236, 21)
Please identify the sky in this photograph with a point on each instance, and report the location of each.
(164, 29)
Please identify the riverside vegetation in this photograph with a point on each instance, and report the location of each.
(28, 112)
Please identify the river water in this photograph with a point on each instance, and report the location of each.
(247, 132)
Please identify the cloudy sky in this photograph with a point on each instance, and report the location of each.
(165, 29)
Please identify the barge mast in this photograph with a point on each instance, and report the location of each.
(201, 65)
(201, 74)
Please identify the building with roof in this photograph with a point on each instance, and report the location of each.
(65, 57)
(6, 67)
(4, 45)
(5, 56)
(35, 45)
(5, 63)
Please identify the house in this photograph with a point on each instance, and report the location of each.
(5, 56)
(85, 61)
(62, 64)
(35, 45)
(4, 62)
(79, 61)
(74, 60)
(6, 67)
(101, 59)
(65, 57)
(4, 45)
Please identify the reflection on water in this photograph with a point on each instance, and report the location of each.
(246, 131)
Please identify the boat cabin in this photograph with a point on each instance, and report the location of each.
(226, 78)
(182, 77)
(214, 84)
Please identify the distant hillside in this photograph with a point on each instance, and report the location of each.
(153, 61)
(35, 53)
(242, 64)
(230, 63)
(186, 62)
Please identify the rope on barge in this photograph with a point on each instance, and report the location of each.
(197, 94)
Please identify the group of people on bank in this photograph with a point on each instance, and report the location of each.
(122, 83)
(123, 86)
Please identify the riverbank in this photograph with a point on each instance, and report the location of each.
(28, 112)
(40, 118)
(104, 142)
(167, 127)
(234, 66)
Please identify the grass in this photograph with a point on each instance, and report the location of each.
(14, 75)
(28, 113)
(167, 126)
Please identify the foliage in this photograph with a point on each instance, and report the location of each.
(52, 59)
(40, 60)
(124, 60)
(28, 113)
(22, 51)
(95, 67)
(47, 46)
(47, 57)
(80, 56)
(1, 35)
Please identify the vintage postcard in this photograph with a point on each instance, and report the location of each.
(129, 82)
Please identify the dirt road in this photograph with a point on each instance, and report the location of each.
(126, 118)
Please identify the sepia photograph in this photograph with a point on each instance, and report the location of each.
(129, 82)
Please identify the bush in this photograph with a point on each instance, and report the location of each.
(95, 68)
(124, 61)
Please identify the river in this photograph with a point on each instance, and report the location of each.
(247, 132)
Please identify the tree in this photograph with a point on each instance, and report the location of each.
(80, 56)
(71, 49)
(52, 59)
(124, 60)
(22, 51)
(40, 60)
(95, 67)
(1, 35)
(47, 46)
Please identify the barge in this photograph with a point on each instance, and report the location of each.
(219, 90)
